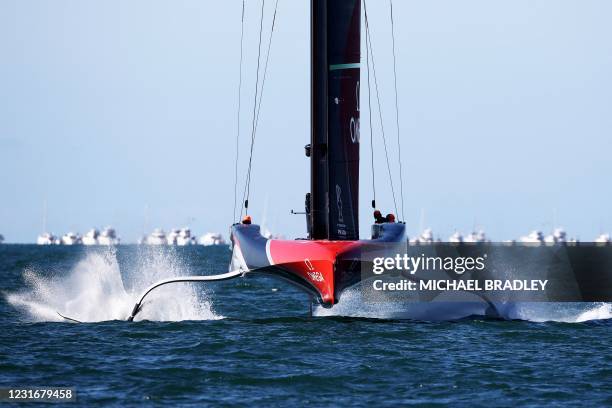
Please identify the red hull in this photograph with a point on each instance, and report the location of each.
(322, 268)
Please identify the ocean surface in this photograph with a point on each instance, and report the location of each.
(252, 341)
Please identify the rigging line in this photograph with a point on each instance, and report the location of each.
(370, 116)
(247, 186)
(382, 127)
(265, 72)
(238, 114)
(263, 84)
(397, 124)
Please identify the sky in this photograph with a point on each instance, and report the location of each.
(124, 113)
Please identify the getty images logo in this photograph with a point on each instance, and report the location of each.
(411, 264)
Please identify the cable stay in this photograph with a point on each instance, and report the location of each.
(265, 73)
(371, 59)
(259, 92)
(260, 80)
(238, 114)
(371, 127)
(397, 124)
(246, 192)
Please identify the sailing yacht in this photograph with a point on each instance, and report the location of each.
(1, 239)
(327, 262)
(603, 239)
(47, 238)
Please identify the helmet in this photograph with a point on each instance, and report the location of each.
(390, 218)
(377, 214)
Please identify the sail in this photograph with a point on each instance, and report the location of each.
(334, 205)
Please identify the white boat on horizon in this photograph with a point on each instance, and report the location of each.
(108, 237)
(559, 236)
(603, 239)
(185, 238)
(212, 239)
(91, 238)
(172, 237)
(47, 238)
(157, 238)
(534, 237)
(471, 238)
(426, 237)
(456, 238)
(71, 238)
(476, 237)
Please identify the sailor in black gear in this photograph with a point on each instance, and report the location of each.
(378, 218)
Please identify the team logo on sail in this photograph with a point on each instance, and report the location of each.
(354, 125)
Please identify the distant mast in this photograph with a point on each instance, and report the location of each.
(334, 150)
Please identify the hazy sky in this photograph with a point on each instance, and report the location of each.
(110, 106)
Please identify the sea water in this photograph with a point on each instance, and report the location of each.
(253, 341)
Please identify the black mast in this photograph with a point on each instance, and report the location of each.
(334, 200)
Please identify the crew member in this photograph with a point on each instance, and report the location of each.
(390, 218)
(378, 218)
(247, 220)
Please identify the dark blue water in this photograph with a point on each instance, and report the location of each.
(266, 350)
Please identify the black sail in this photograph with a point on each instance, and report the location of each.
(334, 205)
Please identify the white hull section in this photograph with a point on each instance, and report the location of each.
(185, 242)
(108, 241)
(47, 239)
(90, 241)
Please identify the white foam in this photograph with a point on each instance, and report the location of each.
(352, 304)
(559, 312)
(93, 291)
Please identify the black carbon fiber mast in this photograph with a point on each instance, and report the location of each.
(334, 150)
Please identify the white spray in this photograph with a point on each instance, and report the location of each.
(94, 291)
(354, 304)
